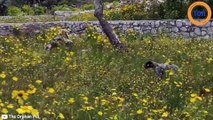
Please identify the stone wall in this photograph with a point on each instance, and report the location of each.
(171, 27)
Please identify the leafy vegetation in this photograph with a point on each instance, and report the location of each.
(14, 11)
(48, 5)
(95, 81)
(22, 19)
(65, 8)
(88, 7)
(127, 12)
(135, 11)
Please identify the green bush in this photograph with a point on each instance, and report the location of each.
(39, 10)
(83, 17)
(127, 12)
(88, 7)
(112, 15)
(28, 10)
(175, 11)
(14, 11)
(172, 14)
(62, 7)
(155, 11)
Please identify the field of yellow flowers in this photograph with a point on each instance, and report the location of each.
(93, 81)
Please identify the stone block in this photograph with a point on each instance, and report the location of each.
(175, 29)
(184, 29)
(197, 31)
(157, 23)
(179, 23)
(203, 33)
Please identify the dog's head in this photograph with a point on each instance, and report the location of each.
(149, 64)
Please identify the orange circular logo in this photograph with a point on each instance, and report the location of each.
(194, 21)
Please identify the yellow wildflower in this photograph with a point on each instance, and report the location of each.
(27, 109)
(3, 75)
(88, 108)
(165, 114)
(171, 73)
(34, 112)
(193, 95)
(10, 106)
(20, 96)
(15, 78)
(199, 98)
(209, 60)
(61, 116)
(71, 101)
(38, 81)
(205, 112)
(85, 98)
(20, 93)
(100, 113)
(186, 114)
(207, 89)
(24, 109)
(1, 104)
(32, 91)
(51, 90)
(168, 61)
(179, 51)
(71, 53)
(135, 94)
(4, 110)
(192, 100)
(104, 102)
(140, 111)
(67, 59)
(114, 93)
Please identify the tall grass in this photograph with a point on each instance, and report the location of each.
(95, 81)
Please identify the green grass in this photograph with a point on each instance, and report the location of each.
(101, 79)
(47, 18)
(24, 19)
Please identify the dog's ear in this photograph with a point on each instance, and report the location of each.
(149, 64)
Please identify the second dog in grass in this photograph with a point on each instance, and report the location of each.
(160, 68)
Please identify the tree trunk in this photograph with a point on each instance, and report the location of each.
(107, 29)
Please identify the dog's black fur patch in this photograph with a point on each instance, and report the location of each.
(149, 64)
(160, 68)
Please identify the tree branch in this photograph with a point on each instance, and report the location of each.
(107, 29)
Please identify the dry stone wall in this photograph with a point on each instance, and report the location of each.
(171, 27)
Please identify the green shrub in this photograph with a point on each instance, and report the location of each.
(175, 11)
(62, 7)
(112, 15)
(39, 10)
(84, 17)
(127, 12)
(88, 7)
(155, 11)
(28, 10)
(14, 11)
(173, 14)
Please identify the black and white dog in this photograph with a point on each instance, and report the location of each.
(160, 68)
